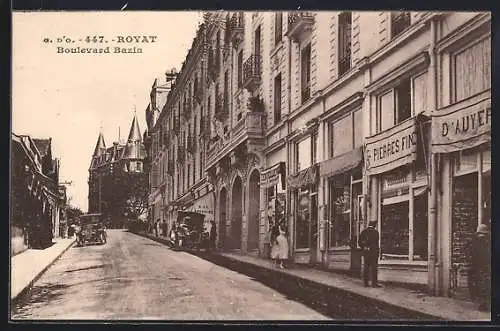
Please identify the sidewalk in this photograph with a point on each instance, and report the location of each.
(442, 308)
(28, 266)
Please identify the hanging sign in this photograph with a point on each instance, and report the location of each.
(463, 125)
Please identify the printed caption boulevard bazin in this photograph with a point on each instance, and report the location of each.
(124, 44)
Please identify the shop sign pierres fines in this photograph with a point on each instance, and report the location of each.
(462, 125)
(392, 148)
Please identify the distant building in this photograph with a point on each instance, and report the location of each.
(37, 201)
(117, 178)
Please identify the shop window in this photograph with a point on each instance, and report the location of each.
(394, 234)
(420, 225)
(473, 70)
(340, 211)
(302, 219)
(465, 161)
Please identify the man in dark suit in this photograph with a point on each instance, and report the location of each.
(369, 243)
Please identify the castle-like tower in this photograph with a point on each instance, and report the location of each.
(117, 180)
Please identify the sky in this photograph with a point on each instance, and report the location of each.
(69, 97)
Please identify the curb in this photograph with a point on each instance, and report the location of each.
(38, 275)
(278, 271)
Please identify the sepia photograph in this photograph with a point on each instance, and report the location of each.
(250, 166)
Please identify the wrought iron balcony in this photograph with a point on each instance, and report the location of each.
(400, 21)
(344, 64)
(251, 72)
(236, 25)
(306, 93)
(253, 125)
(298, 23)
(221, 108)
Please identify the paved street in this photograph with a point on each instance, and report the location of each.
(132, 277)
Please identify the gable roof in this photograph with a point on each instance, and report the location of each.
(43, 145)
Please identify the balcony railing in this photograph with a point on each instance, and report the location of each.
(236, 33)
(251, 72)
(344, 64)
(306, 93)
(400, 21)
(221, 109)
(253, 124)
(298, 23)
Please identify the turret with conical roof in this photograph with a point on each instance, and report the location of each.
(134, 148)
(100, 147)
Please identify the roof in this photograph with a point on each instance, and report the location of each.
(43, 145)
(135, 132)
(100, 145)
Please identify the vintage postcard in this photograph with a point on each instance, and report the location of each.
(245, 165)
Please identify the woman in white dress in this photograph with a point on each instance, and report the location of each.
(274, 244)
(282, 245)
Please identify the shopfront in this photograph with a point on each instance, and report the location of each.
(395, 163)
(272, 182)
(304, 193)
(461, 143)
(340, 226)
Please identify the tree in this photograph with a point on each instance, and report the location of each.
(72, 213)
(137, 205)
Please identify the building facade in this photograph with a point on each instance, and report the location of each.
(118, 184)
(327, 120)
(37, 199)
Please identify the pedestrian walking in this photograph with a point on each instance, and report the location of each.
(369, 243)
(213, 235)
(480, 267)
(282, 243)
(274, 243)
(157, 224)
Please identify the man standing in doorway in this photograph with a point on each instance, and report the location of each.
(369, 243)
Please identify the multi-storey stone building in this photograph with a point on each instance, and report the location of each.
(118, 183)
(327, 120)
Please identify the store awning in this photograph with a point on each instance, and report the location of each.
(304, 178)
(462, 125)
(341, 163)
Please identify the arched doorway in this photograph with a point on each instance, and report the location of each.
(222, 218)
(253, 212)
(236, 213)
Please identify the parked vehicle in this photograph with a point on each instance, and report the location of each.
(188, 232)
(91, 230)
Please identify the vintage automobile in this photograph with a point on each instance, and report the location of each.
(91, 230)
(188, 231)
